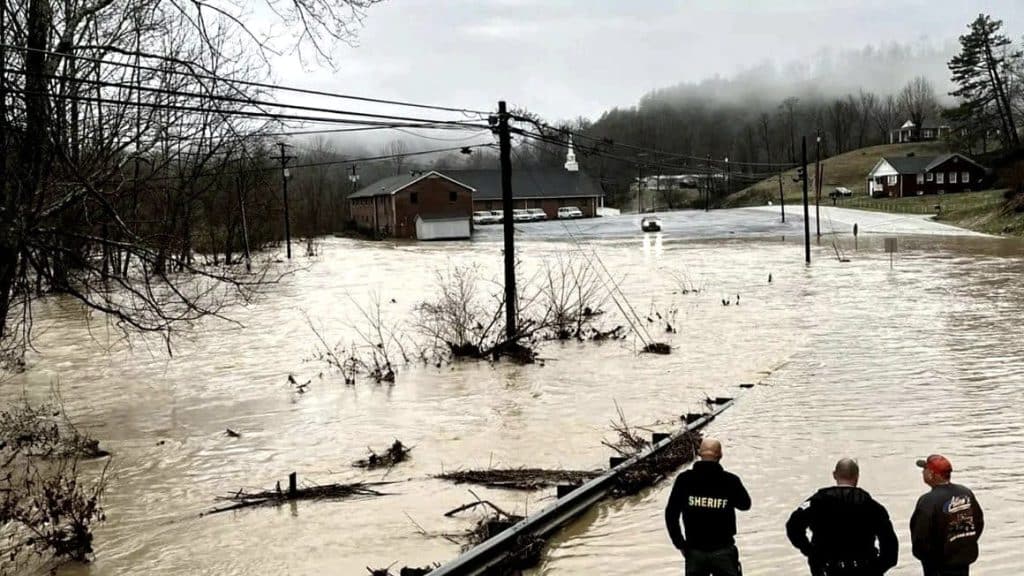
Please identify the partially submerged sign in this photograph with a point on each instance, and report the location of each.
(890, 248)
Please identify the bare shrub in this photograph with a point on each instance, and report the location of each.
(47, 504)
(463, 318)
(380, 351)
(570, 295)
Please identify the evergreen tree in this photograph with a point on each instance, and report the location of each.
(980, 71)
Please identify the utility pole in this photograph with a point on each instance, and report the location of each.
(728, 177)
(353, 177)
(782, 199)
(817, 182)
(639, 188)
(640, 183)
(707, 189)
(284, 187)
(807, 216)
(505, 153)
(239, 181)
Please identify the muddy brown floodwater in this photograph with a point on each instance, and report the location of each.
(855, 359)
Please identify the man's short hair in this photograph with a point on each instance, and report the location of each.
(847, 469)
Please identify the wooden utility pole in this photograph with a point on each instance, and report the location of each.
(707, 189)
(505, 154)
(639, 188)
(807, 216)
(782, 198)
(240, 182)
(817, 183)
(284, 188)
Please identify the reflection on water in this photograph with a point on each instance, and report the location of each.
(883, 365)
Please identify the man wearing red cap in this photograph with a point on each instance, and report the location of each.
(946, 523)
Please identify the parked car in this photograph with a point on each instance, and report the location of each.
(567, 212)
(521, 215)
(499, 214)
(537, 214)
(840, 192)
(484, 217)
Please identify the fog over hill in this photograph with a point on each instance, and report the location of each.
(829, 73)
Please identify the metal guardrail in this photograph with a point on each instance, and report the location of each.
(545, 522)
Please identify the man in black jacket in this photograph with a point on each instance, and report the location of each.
(845, 522)
(946, 523)
(707, 497)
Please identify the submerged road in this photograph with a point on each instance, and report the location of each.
(732, 222)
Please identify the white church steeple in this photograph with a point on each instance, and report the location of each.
(570, 159)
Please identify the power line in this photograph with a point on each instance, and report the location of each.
(325, 163)
(215, 78)
(238, 100)
(246, 113)
(609, 142)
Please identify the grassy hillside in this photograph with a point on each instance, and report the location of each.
(849, 170)
(987, 211)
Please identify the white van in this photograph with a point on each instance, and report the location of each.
(569, 212)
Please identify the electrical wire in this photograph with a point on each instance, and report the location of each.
(238, 100)
(640, 149)
(319, 164)
(215, 78)
(245, 113)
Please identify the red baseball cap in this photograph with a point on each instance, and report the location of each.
(937, 463)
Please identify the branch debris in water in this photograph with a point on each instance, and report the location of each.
(277, 496)
(520, 478)
(396, 453)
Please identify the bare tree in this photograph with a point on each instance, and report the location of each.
(866, 106)
(917, 100)
(789, 107)
(118, 131)
(396, 150)
(887, 116)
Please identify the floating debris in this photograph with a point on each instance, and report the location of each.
(232, 434)
(276, 497)
(520, 478)
(396, 453)
(657, 348)
(630, 443)
(648, 472)
(717, 400)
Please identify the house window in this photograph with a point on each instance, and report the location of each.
(930, 177)
(414, 198)
(453, 196)
(940, 177)
(965, 177)
(920, 178)
(893, 180)
(952, 177)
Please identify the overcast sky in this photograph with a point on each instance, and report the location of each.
(565, 58)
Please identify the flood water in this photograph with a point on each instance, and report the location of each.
(854, 359)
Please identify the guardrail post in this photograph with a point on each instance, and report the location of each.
(562, 489)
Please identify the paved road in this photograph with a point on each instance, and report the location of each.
(729, 223)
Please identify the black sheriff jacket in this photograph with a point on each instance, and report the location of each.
(845, 522)
(706, 497)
